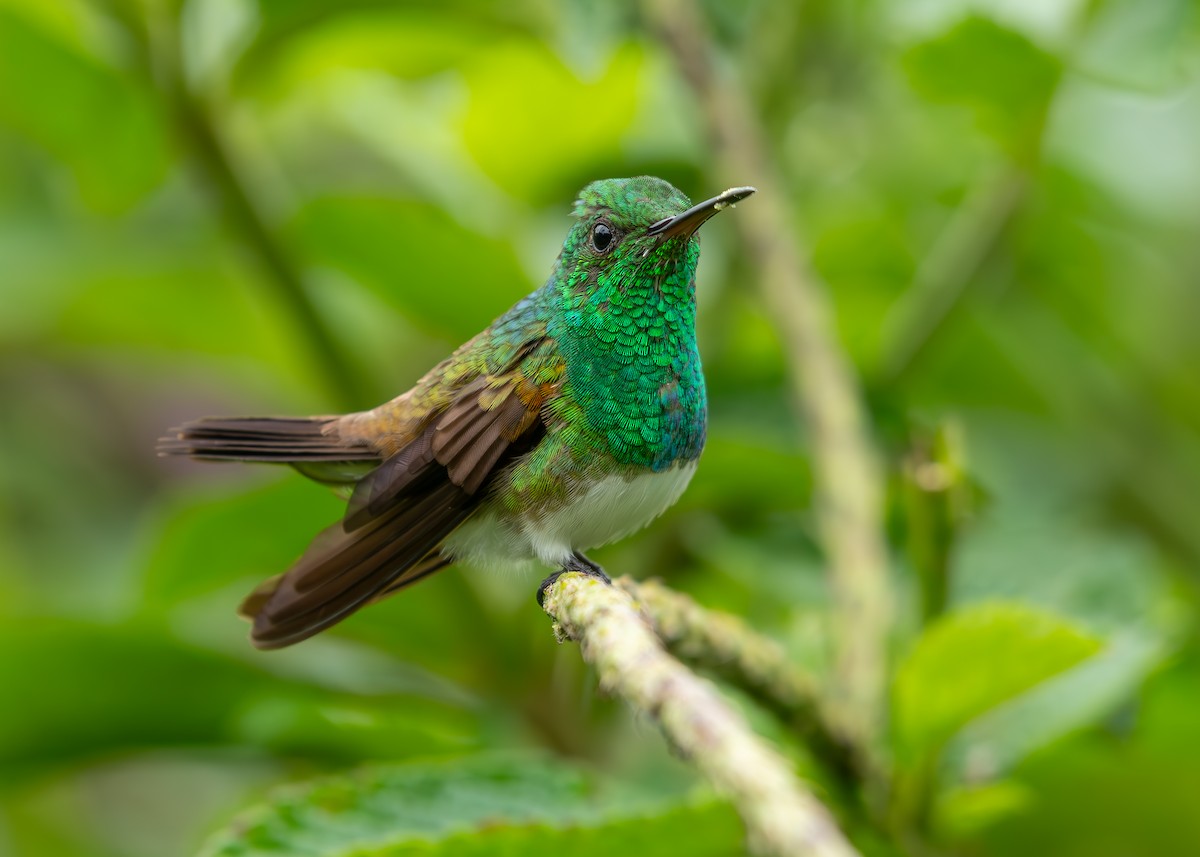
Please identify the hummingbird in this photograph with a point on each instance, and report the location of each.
(572, 421)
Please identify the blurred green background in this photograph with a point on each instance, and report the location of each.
(1002, 197)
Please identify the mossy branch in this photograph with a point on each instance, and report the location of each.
(783, 819)
(725, 645)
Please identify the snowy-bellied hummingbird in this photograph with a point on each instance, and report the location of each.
(575, 419)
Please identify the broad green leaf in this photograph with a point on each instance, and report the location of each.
(165, 306)
(77, 688)
(284, 23)
(188, 303)
(82, 688)
(1104, 794)
(473, 807)
(105, 128)
(1002, 75)
(1142, 45)
(1028, 548)
(414, 256)
(406, 42)
(1129, 789)
(525, 100)
(964, 812)
(210, 541)
(1059, 706)
(865, 258)
(973, 660)
(315, 725)
(158, 802)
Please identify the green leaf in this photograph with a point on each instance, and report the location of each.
(1130, 790)
(1002, 75)
(1143, 45)
(78, 688)
(1098, 794)
(528, 107)
(358, 32)
(1032, 547)
(178, 300)
(210, 541)
(339, 729)
(105, 128)
(1066, 703)
(140, 686)
(473, 807)
(964, 812)
(973, 660)
(414, 256)
(408, 43)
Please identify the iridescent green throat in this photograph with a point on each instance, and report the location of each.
(627, 331)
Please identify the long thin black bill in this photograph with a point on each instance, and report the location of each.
(691, 220)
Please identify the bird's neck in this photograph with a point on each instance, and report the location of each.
(629, 342)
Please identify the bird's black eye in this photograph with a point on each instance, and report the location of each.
(602, 237)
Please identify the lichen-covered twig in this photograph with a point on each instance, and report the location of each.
(781, 816)
(725, 645)
(847, 474)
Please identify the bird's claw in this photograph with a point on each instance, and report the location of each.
(576, 562)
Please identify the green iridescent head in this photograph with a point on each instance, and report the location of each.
(629, 205)
(621, 307)
(640, 227)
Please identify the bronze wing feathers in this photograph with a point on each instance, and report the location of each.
(401, 512)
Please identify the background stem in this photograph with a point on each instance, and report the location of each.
(848, 479)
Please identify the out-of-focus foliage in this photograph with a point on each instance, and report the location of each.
(453, 809)
(1002, 198)
(970, 662)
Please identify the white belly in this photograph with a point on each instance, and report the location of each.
(608, 510)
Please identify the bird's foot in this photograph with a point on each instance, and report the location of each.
(575, 562)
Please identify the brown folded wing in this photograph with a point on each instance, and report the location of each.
(401, 512)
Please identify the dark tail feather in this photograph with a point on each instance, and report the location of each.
(342, 572)
(274, 439)
(253, 603)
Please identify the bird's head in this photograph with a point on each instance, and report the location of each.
(635, 232)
